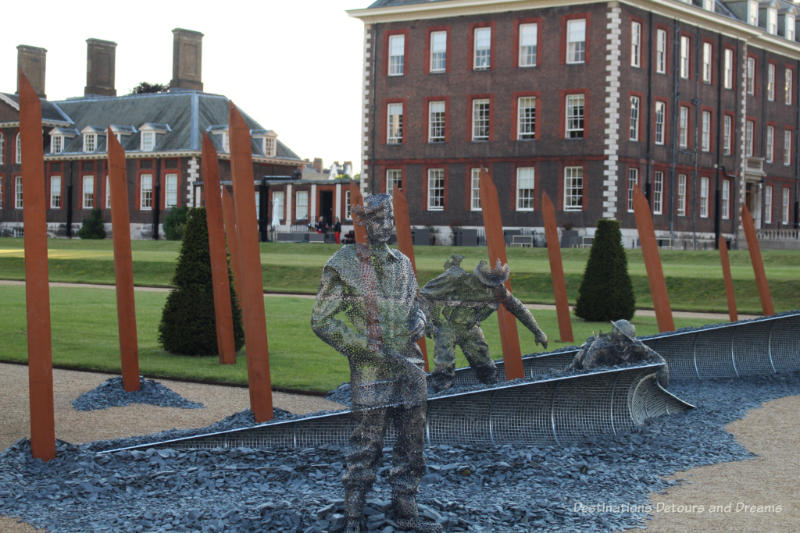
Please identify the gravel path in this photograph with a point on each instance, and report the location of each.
(467, 489)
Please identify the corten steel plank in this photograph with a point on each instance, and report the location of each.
(37, 288)
(493, 224)
(255, 320)
(233, 239)
(556, 269)
(758, 263)
(402, 224)
(357, 199)
(652, 262)
(123, 264)
(726, 274)
(223, 313)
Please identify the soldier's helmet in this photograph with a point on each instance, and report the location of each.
(625, 328)
(491, 277)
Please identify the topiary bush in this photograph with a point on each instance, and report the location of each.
(175, 223)
(188, 325)
(606, 292)
(92, 227)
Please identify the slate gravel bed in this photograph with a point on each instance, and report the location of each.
(111, 394)
(599, 486)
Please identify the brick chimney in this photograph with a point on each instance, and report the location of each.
(31, 61)
(187, 59)
(100, 67)
(317, 165)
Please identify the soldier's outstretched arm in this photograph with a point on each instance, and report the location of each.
(331, 300)
(518, 309)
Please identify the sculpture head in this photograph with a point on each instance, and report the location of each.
(491, 277)
(624, 328)
(377, 217)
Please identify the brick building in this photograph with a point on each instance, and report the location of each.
(160, 132)
(696, 102)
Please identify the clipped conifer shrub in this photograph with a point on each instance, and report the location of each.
(92, 226)
(175, 223)
(606, 292)
(188, 325)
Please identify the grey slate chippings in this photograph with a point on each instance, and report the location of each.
(110, 393)
(466, 488)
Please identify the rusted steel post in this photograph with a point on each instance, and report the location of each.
(37, 288)
(758, 262)
(123, 264)
(726, 274)
(556, 269)
(255, 320)
(223, 313)
(652, 262)
(405, 243)
(357, 199)
(493, 225)
(233, 239)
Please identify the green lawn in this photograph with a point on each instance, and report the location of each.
(84, 329)
(694, 278)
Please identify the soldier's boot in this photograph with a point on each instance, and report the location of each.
(442, 380)
(406, 514)
(353, 509)
(486, 373)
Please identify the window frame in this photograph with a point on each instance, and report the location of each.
(706, 134)
(771, 68)
(393, 36)
(473, 124)
(634, 123)
(90, 142)
(391, 139)
(707, 74)
(727, 134)
(431, 51)
(430, 205)
(769, 143)
(633, 181)
(2, 148)
(662, 130)
(751, 67)
(517, 134)
(584, 120)
(167, 193)
(704, 196)
(749, 137)
(56, 143)
(684, 114)
(662, 55)
(145, 139)
(298, 194)
(536, 23)
(636, 43)
(474, 41)
(685, 57)
(788, 86)
(18, 149)
(785, 203)
(768, 204)
(576, 56)
(788, 135)
(55, 192)
(475, 192)
(396, 178)
(725, 199)
(681, 195)
(527, 198)
(429, 122)
(145, 194)
(570, 206)
(729, 68)
(87, 197)
(19, 193)
(658, 192)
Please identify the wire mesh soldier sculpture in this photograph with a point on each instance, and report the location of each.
(375, 289)
(456, 302)
(617, 348)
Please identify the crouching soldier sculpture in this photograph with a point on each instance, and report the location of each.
(374, 288)
(457, 302)
(618, 348)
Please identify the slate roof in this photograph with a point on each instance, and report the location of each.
(50, 113)
(183, 114)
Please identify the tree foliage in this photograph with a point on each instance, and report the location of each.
(175, 223)
(188, 324)
(92, 226)
(606, 292)
(148, 88)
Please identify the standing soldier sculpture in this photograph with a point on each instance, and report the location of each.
(457, 302)
(374, 288)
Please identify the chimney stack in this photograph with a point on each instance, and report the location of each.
(31, 61)
(187, 59)
(317, 164)
(100, 68)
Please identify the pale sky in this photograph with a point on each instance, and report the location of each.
(295, 66)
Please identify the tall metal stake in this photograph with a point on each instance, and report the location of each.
(233, 239)
(255, 320)
(123, 264)
(652, 262)
(37, 288)
(726, 274)
(757, 261)
(493, 225)
(223, 313)
(357, 199)
(556, 269)
(405, 243)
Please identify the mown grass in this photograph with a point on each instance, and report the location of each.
(84, 327)
(694, 278)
